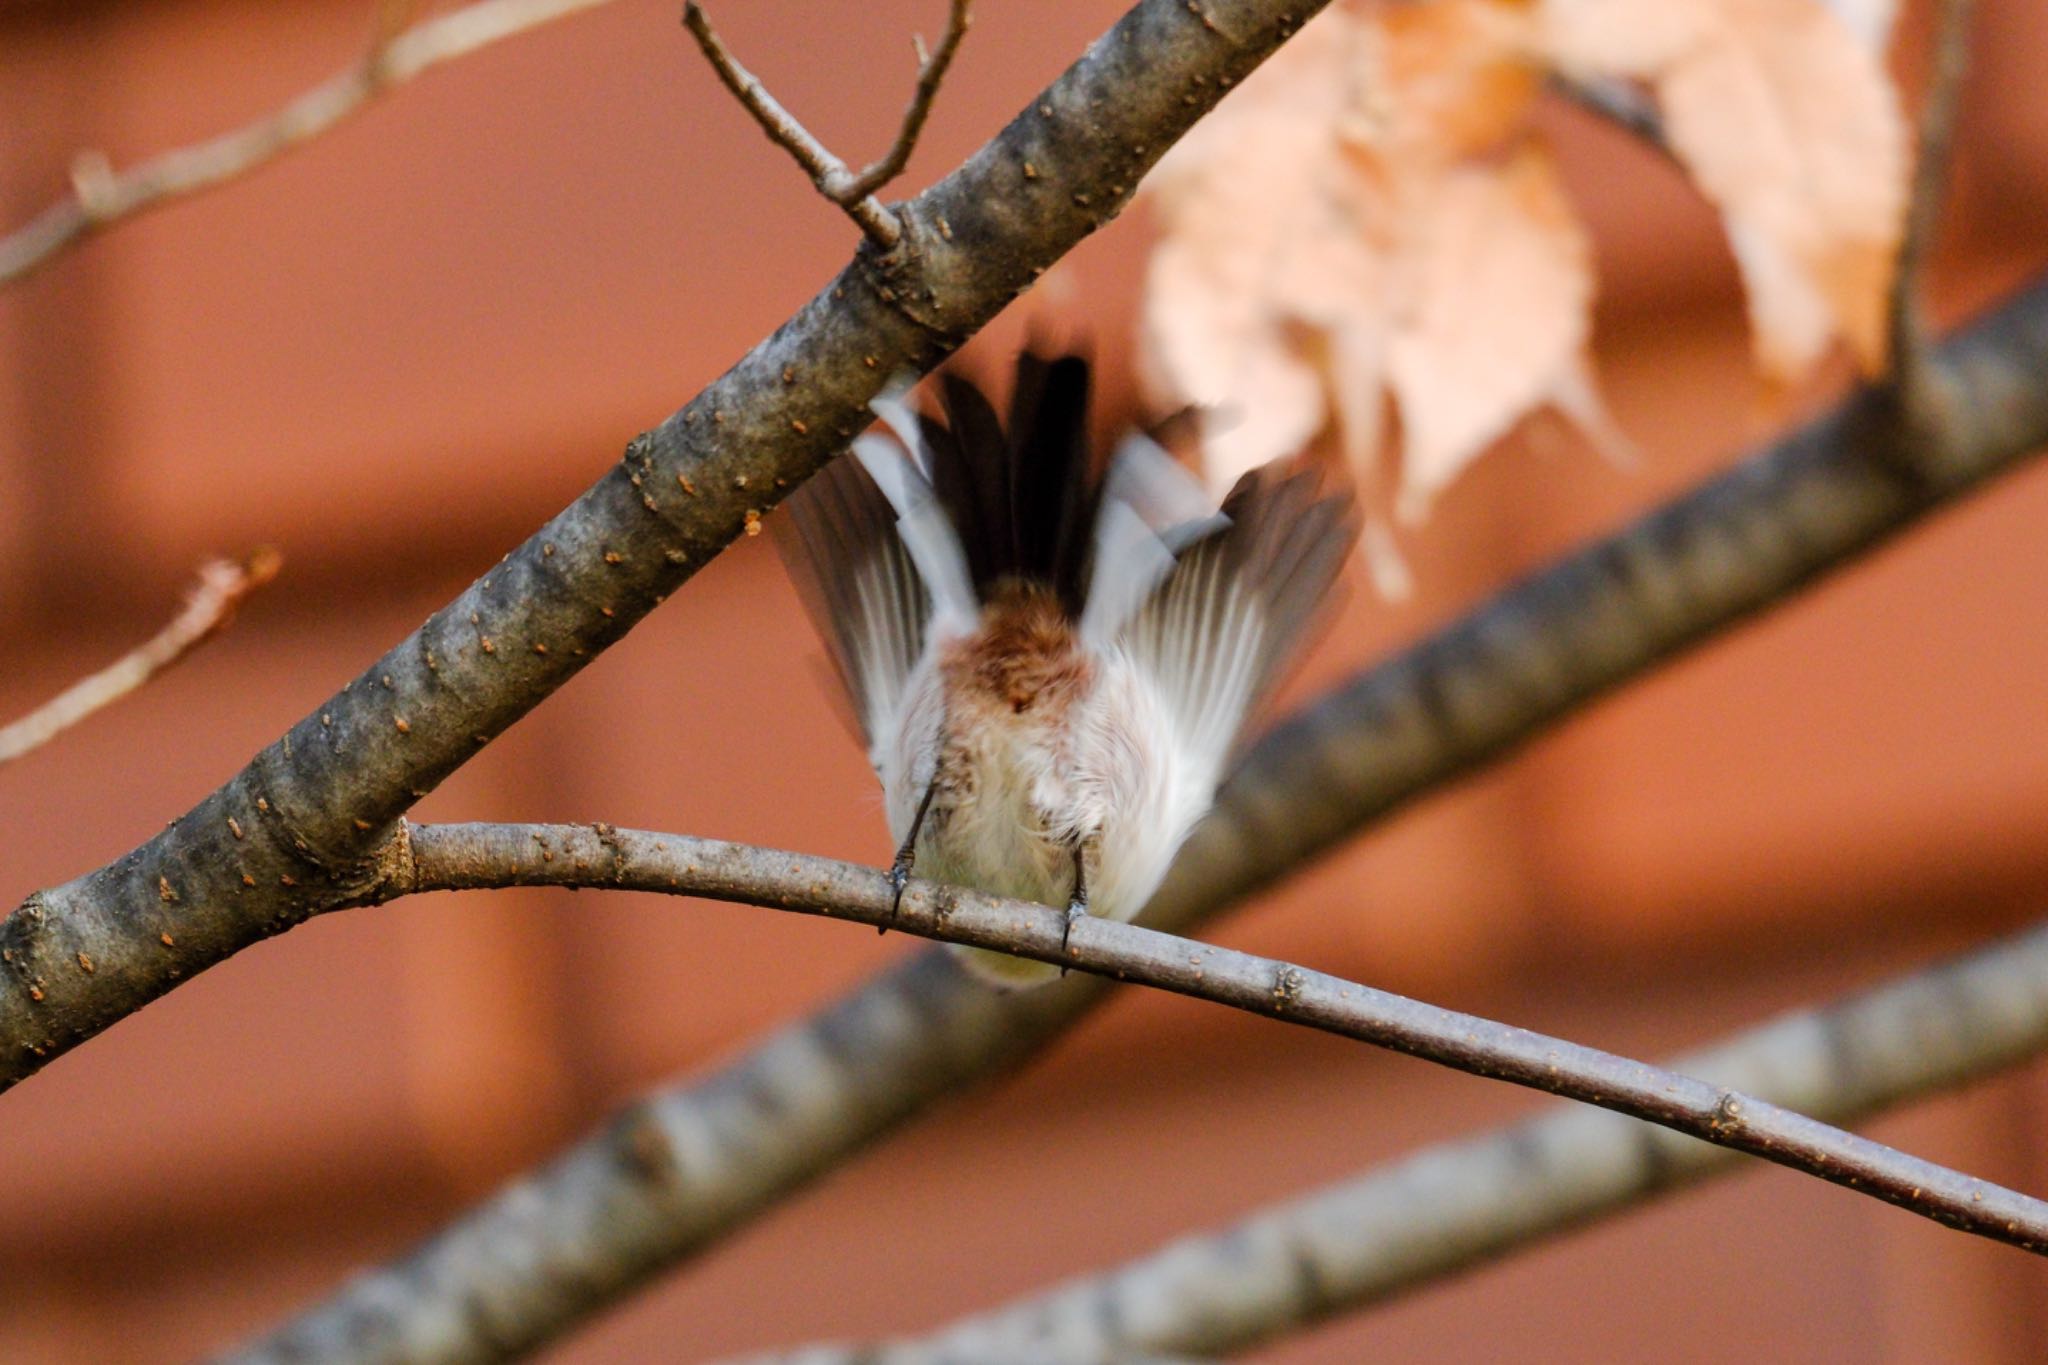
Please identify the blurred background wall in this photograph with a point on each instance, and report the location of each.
(396, 351)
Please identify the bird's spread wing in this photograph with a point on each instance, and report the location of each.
(856, 578)
(878, 564)
(1217, 626)
(1150, 510)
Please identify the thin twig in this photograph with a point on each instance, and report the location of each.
(1619, 102)
(1910, 340)
(472, 857)
(208, 609)
(851, 192)
(101, 195)
(1445, 1208)
(931, 69)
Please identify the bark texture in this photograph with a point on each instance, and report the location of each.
(306, 826)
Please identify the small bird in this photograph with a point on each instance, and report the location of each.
(1051, 662)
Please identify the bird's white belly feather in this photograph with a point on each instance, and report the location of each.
(1108, 779)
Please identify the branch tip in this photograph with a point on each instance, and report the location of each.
(484, 856)
(853, 193)
(209, 606)
(100, 195)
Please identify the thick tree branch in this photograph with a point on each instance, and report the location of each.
(486, 857)
(305, 826)
(102, 196)
(575, 1236)
(1446, 1208)
(851, 192)
(208, 610)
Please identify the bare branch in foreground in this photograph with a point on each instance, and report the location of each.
(102, 195)
(468, 857)
(1447, 1208)
(851, 192)
(306, 825)
(208, 609)
(1995, 1000)
(674, 1172)
(1910, 342)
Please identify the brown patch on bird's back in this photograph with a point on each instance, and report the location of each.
(1025, 656)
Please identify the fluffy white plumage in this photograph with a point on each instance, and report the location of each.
(1051, 671)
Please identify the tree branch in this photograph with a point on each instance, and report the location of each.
(1446, 1208)
(209, 608)
(1620, 102)
(931, 69)
(582, 1232)
(853, 193)
(101, 196)
(306, 826)
(471, 857)
(648, 1144)
(1913, 376)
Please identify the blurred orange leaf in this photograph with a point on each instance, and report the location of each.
(1787, 123)
(1369, 221)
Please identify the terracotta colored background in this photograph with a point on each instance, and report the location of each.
(396, 351)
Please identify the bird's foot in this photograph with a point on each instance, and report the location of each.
(1077, 910)
(899, 877)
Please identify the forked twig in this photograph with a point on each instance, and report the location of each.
(855, 193)
(1621, 103)
(222, 586)
(100, 195)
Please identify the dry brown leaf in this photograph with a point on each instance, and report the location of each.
(1368, 219)
(1502, 288)
(1332, 236)
(1788, 124)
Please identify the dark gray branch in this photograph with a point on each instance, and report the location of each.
(1564, 636)
(305, 827)
(1446, 1208)
(579, 1234)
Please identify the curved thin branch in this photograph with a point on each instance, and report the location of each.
(676, 1171)
(209, 608)
(472, 857)
(306, 826)
(851, 192)
(100, 195)
(1446, 1208)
